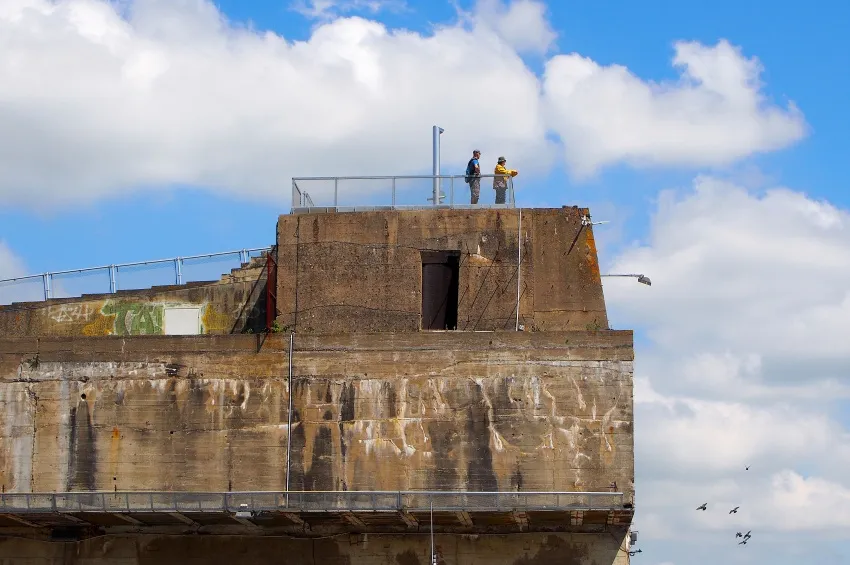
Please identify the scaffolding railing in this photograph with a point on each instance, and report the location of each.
(312, 501)
(400, 192)
(111, 272)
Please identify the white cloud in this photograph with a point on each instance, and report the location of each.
(99, 98)
(713, 115)
(712, 438)
(749, 273)
(779, 501)
(12, 266)
(740, 362)
(174, 94)
(522, 23)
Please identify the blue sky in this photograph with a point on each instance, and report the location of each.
(802, 51)
(173, 129)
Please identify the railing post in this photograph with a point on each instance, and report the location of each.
(294, 189)
(47, 279)
(336, 191)
(393, 192)
(112, 279)
(452, 191)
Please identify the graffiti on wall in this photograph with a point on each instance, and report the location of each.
(134, 318)
(148, 318)
(126, 318)
(70, 313)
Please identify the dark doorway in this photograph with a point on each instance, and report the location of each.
(440, 279)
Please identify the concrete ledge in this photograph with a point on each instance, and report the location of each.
(587, 341)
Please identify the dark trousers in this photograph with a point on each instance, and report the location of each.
(500, 194)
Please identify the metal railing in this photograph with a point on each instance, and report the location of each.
(47, 279)
(313, 501)
(410, 191)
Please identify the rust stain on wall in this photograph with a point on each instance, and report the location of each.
(214, 321)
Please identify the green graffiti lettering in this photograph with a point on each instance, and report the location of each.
(135, 318)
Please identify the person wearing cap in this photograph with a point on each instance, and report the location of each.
(500, 182)
(473, 176)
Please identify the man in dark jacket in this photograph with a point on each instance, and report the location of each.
(473, 176)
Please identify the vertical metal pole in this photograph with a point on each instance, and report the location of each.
(433, 554)
(294, 189)
(435, 132)
(452, 191)
(435, 162)
(115, 278)
(393, 192)
(46, 284)
(289, 426)
(112, 279)
(518, 266)
(178, 270)
(336, 191)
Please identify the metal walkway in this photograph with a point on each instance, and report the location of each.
(313, 513)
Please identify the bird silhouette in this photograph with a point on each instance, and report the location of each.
(703, 506)
(748, 468)
(734, 510)
(739, 535)
(747, 535)
(742, 542)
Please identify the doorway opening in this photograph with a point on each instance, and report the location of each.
(440, 281)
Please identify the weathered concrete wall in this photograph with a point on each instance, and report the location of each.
(362, 272)
(232, 305)
(410, 549)
(448, 411)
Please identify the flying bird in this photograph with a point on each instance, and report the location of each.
(747, 535)
(734, 510)
(742, 542)
(739, 535)
(748, 468)
(703, 506)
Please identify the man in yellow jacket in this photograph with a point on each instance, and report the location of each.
(500, 182)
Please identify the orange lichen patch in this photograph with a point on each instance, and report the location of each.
(101, 325)
(215, 321)
(591, 256)
(116, 433)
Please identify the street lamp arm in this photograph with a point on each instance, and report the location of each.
(643, 279)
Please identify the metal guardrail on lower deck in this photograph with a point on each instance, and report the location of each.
(345, 501)
(399, 192)
(111, 273)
